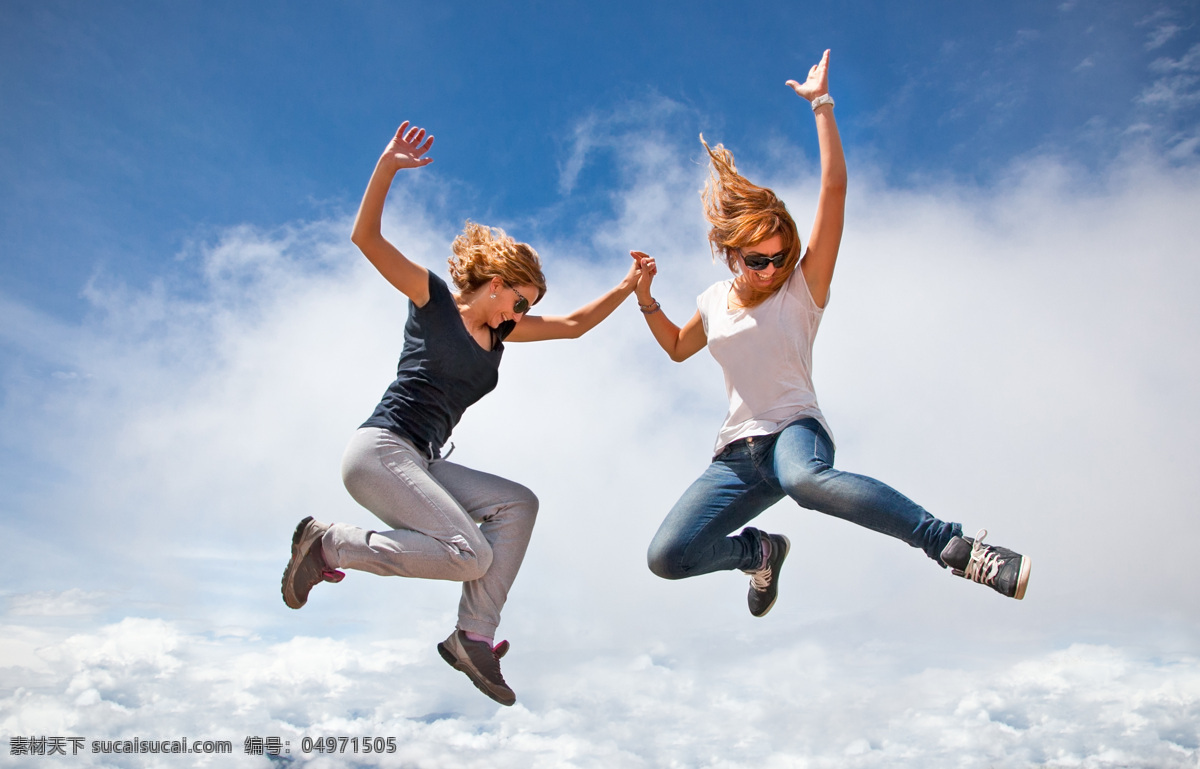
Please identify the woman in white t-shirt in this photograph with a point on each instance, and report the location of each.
(759, 326)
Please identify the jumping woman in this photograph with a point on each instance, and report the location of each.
(759, 326)
(443, 520)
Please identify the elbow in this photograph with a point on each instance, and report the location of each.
(573, 329)
(363, 238)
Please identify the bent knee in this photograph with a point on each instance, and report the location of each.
(527, 500)
(522, 504)
(666, 561)
(472, 564)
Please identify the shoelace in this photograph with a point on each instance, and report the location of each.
(761, 580)
(985, 562)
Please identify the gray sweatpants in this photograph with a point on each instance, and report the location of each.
(446, 522)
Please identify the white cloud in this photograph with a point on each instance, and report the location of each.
(800, 702)
(1016, 358)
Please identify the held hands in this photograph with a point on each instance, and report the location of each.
(817, 82)
(645, 269)
(407, 148)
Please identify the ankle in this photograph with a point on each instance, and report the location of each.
(478, 637)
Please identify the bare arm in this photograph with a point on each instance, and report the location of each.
(406, 150)
(826, 237)
(679, 343)
(537, 328)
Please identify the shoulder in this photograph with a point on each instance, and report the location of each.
(797, 286)
(439, 291)
(717, 291)
(711, 301)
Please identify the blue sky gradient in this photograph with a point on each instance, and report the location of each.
(130, 128)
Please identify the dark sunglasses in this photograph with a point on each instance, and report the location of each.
(521, 306)
(758, 262)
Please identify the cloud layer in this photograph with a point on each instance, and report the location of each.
(800, 703)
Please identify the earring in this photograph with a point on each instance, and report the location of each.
(493, 296)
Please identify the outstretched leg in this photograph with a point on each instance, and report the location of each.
(804, 466)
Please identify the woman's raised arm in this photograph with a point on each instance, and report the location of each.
(819, 260)
(406, 150)
(537, 328)
(679, 343)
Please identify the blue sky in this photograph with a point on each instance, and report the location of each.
(187, 340)
(132, 127)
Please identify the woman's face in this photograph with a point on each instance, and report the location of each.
(510, 299)
(771, 248)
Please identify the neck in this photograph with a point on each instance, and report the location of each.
(469, 307)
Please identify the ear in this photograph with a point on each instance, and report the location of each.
(497, 284)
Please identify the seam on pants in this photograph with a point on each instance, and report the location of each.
(391, 468)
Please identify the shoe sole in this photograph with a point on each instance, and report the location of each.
(298, 553)
(1022, 578)
(787, 548)
(453, 662)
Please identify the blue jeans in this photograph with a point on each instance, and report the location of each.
(750, 475)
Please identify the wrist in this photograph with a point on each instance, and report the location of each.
(821, 101)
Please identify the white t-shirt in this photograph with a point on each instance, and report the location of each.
(766, 355)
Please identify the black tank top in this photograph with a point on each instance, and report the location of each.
(442, 371)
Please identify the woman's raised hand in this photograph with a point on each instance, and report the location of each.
(408, 147)
(817, 82)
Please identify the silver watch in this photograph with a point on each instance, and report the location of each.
(822, 99)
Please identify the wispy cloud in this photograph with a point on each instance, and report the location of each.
(1177, 86)
(612, 132)
(1162, 35)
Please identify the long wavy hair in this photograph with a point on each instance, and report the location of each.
(481, 253)
(742, 214)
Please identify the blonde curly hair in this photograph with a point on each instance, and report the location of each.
(482, 253)
(741, 215)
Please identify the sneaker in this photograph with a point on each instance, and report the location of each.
(480, 662)
(999, 568)
(764, 582)
(307, 568)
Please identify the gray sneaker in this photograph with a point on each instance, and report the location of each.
(480, 662)
(764, 582)
(1003, 570)
(306, 568)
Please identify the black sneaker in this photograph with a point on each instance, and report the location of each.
(480, 662)
(306, 568)
(999, 568)
(764, 582)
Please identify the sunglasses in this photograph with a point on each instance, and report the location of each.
(758, 262)
(521, 306)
